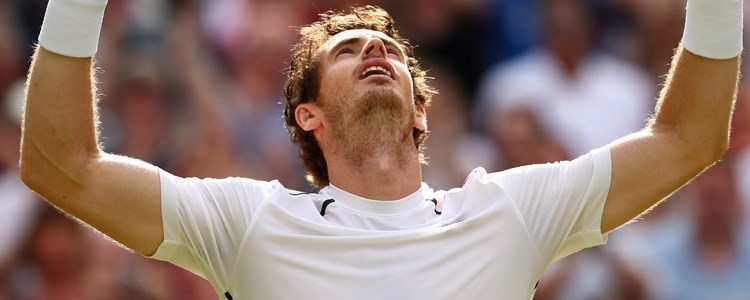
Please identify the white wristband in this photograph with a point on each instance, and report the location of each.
(713, 28)
(72, 27)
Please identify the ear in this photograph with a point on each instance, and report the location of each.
(308, 116)
(420, 118)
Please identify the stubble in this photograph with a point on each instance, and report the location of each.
(376, 124)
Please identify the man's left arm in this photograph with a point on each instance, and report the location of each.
(690, 129)
(688, 133)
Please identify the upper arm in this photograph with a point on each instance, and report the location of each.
(61, 159)
(117, 195)
(688, 133)
(646, 167)
(120, 197)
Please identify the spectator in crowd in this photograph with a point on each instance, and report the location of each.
(583, 98)
(594, 274)
(454, 154)
(713, 260)
(739, 153)
(18, 204)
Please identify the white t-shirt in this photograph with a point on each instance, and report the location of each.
(490, 239)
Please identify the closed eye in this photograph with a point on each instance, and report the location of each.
(344, 51)
(393, 51)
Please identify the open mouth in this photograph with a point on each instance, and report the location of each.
(375, 70)
(376, 67)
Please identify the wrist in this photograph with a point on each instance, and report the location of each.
(72, 27)
(713, 28)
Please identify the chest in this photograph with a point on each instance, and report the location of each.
(483, 256)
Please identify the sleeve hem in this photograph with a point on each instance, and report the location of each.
(602, 178)
(592, 212)
(165, 251)
(168, 195)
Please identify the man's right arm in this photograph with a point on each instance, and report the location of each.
(61, 159)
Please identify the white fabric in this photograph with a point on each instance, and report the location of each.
(72, 27)
(605, 99)
(493, 239)
(17, 214)
(713, 28)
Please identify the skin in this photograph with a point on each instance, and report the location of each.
(387, 160)
(61, 159)
(688, 133)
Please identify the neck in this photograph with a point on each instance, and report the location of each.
(382, 174)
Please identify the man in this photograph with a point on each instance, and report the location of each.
(356, 106)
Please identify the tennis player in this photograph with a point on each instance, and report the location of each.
(356, 100)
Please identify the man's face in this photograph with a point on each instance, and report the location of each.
(366, 92)
(356, 62)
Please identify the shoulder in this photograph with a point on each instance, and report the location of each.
(228, 190)
(596, 163)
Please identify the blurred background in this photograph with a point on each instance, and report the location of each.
(195, 87)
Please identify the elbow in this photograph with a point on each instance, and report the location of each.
(30, 175)
(696, 150)
(719, 149)
(51, 176)
(709, 151)
(28, 162)
(25, 168)
(28, 178)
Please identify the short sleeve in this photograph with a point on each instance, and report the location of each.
(205, 220)
(561, 203)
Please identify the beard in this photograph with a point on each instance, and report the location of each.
(377, 123)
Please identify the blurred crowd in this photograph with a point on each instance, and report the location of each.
(195, 87)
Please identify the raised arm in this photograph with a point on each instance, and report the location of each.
(60, 155)
(690, 129)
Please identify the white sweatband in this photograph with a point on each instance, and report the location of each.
(72, 27)
(713, 28)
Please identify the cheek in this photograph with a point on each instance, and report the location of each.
(333, 82)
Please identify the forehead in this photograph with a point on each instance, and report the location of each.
(354, 34)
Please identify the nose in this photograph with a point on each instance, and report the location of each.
(374, 47)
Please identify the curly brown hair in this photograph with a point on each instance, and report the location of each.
(303, 82)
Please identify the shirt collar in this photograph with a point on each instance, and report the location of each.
(381, 207)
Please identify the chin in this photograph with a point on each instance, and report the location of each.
(383, 97)
(381, 81)
(380, 118)
(384, 112)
